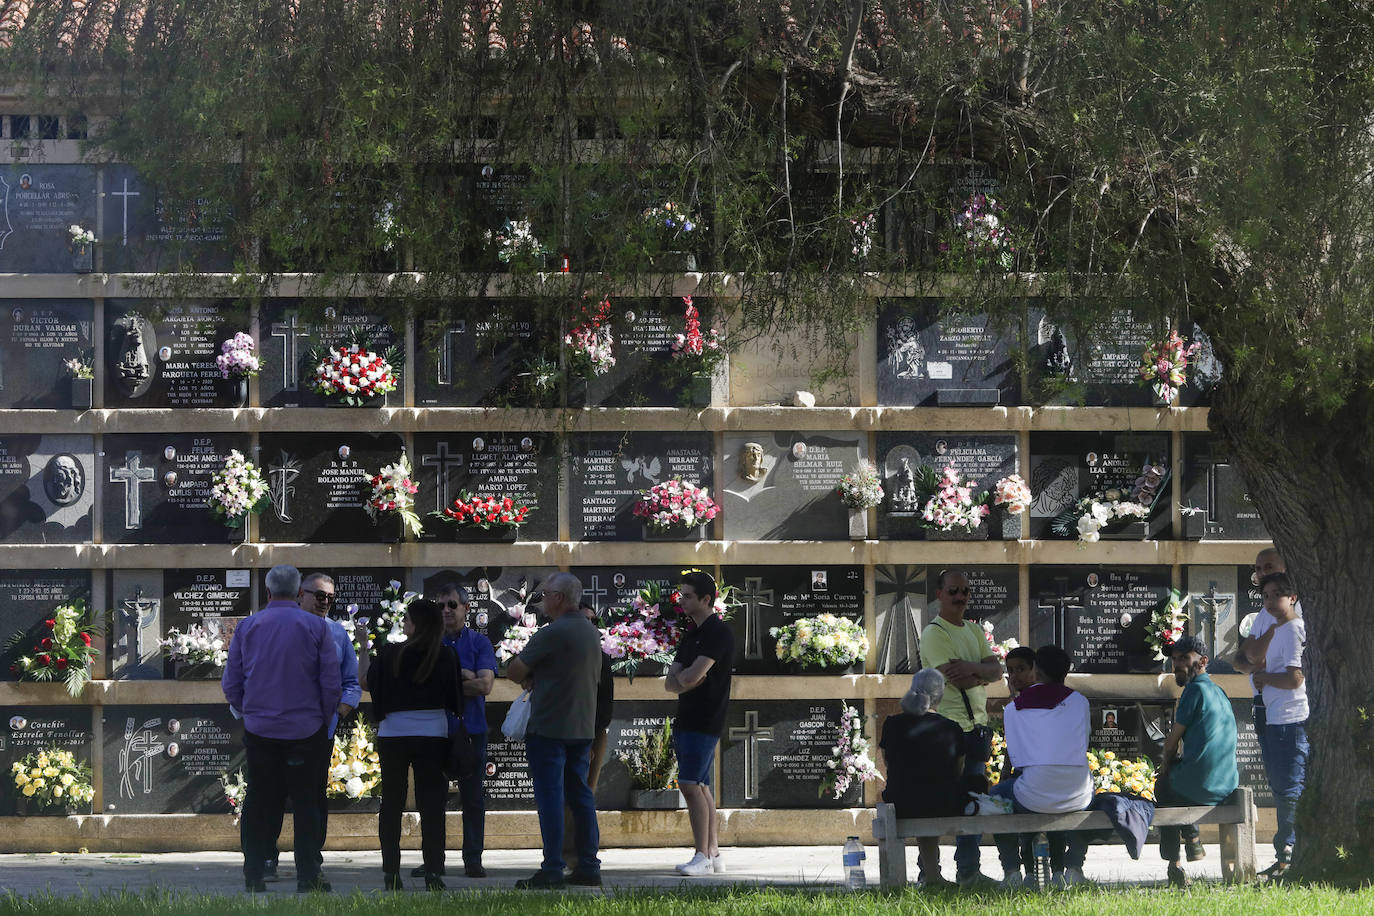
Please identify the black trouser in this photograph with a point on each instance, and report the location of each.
(322, 810)
(472, 794)
(278, 769)
(1166, 796)
(427, 756)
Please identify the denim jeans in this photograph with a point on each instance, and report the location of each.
(472, 793)
(1067, 849)
(967, 857)
(558, 770)
(1285, 751)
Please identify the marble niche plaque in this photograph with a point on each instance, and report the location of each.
(169, 759)
(930, 359)
(47, 489)
(984, 457)
(156, 486)
(162, 354)
(609, 470)
(906, 602)
(1130, 728)
(632, 718)
(773, 596)
(146, 229)
(781, 485)
(774, 753)
(612, 587)
(1098, 614)
(37, 336)
(27, 598)
(1216, 502)
(39, 204)
(478, 353)
(1249, 760)
(27, 729)
(1097, 366)
(318, 483)
(1065, 467)
(645, 373)
(291, 328)
(508, 783)
(499, 594)
(148, 603)
(521, 465)
(1222, 598)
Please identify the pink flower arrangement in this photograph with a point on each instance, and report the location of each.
(1164, 365)
(674, 504)
(694, 345)
(591, 344)
(999, 649)
(953, 504)
(236, 359)
(1012, 493)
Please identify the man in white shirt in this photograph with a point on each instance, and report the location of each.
(1047, 731)
(1280, 677)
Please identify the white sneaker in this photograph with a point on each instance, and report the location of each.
(718, 864)
(700, 865)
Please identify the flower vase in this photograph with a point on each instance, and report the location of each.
(657, 800)
(699, 389)
(83, 259)
(239, 390)
(496, 534)
(694, 533)
(858, 524)
(237, 534)
(81, 393)
(197, 671)
(958, 534)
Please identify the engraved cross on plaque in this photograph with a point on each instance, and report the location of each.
(444, 364)
(755, 597)
(751, 734)
(138, 612)
(1211, 607)
(279, 486)
(132, 475)
(443, 459)
(125, 194)
(595, 592)
(1059, 608)
(289, 332)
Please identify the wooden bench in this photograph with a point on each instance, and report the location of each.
(1235, 818)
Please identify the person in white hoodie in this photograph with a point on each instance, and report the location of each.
(1047, 728)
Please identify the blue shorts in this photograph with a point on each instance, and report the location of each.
(696, 752)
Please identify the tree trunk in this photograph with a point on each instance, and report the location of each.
(1310, 477)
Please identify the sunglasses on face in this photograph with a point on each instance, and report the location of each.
(958, 591)
(452, 603)
(326, 597)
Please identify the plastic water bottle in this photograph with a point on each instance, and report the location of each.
(854, 855)
(1041, 848)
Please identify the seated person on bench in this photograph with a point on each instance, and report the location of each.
(924, 753)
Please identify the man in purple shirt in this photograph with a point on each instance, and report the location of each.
(282, 677)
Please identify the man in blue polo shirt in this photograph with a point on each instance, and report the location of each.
(478, 662)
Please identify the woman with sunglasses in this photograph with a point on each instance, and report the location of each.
(415, 686)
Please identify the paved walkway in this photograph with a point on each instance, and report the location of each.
(785, 866)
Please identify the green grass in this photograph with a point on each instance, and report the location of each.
(1286, 901)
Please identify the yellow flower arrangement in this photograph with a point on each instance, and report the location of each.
(825, 640)
(998, 758)
(53, 778)
(355, 770)
(1112, 774)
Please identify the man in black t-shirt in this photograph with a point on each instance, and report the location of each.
(700, 676)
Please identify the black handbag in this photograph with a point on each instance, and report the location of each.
(977, 740)
(461, 761)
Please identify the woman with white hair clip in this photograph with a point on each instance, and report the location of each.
(924, 753)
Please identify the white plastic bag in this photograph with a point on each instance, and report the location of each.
(981, 804)
(518, 718)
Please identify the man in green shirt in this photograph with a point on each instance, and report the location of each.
(1205, 773)
(961, 653)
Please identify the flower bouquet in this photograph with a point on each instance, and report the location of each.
(484, 512)
(235, 788)
(675, 506)
(393, 492)
(650, 759)
(861, 231)
(355, 373)
(53, 778)
(849, 761)
(1166, 625)
(671, 224)
(237, 489)
(80, 237)
(1091, 514)
(701, 351)
(1164, 366)
(949, 502)
(79, 367)
(999, 649)
(82, 241)
(591, 347)
(64, 651)
(997, 759)
(199, 645)
(646, 631)
(1013, 494)
(516, 241)
(1130, 777)
(823, 641)
(391, 615)
(978, 231)
(516, 637)
(236, 357)
(355, 770)
(862, 489)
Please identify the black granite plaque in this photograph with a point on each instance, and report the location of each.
(508, 783)
(772, 596)
(1249, 760)
(168, 759)
(930, 359)
(993, 597)
(522, 466)
(984, 457)
(774, 753)
(1065, 467)
(609, 470)
(1130, 728)
(608, 587)
(145, 604)
(632, 718)
(1216, 502)
(147, 229)
(1221, 598)
(291, 328)
(39, 204)
(37, 337)
(26, 730)
(499, 593)
(27, 598)
(477, 353)
(781, 485)
(319, 483)
(499, 193)
(645, 373)
(156, 487)
(1098, 614)
(183, 339)
(195, 596)
(47, 489)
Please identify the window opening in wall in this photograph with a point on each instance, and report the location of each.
(49, 127)
(19, 127)
(77, 127)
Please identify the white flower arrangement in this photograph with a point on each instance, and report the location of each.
(237, 489)
(198, 645)
(388, 625)
(355, 769)
(862, 489)
(1167, 623)
(849, 759)
(393, 491)
(825, 641)
(80, 237)
(516, 240)
(950, 501)
(516, 638)
(999, 649)
(235, 788)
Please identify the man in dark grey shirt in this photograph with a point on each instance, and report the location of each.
(562, 662)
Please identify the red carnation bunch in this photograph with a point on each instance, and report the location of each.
(485, 511)
(64, 652)
(354, 372)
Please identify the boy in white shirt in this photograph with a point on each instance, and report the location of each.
(1285, 703)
